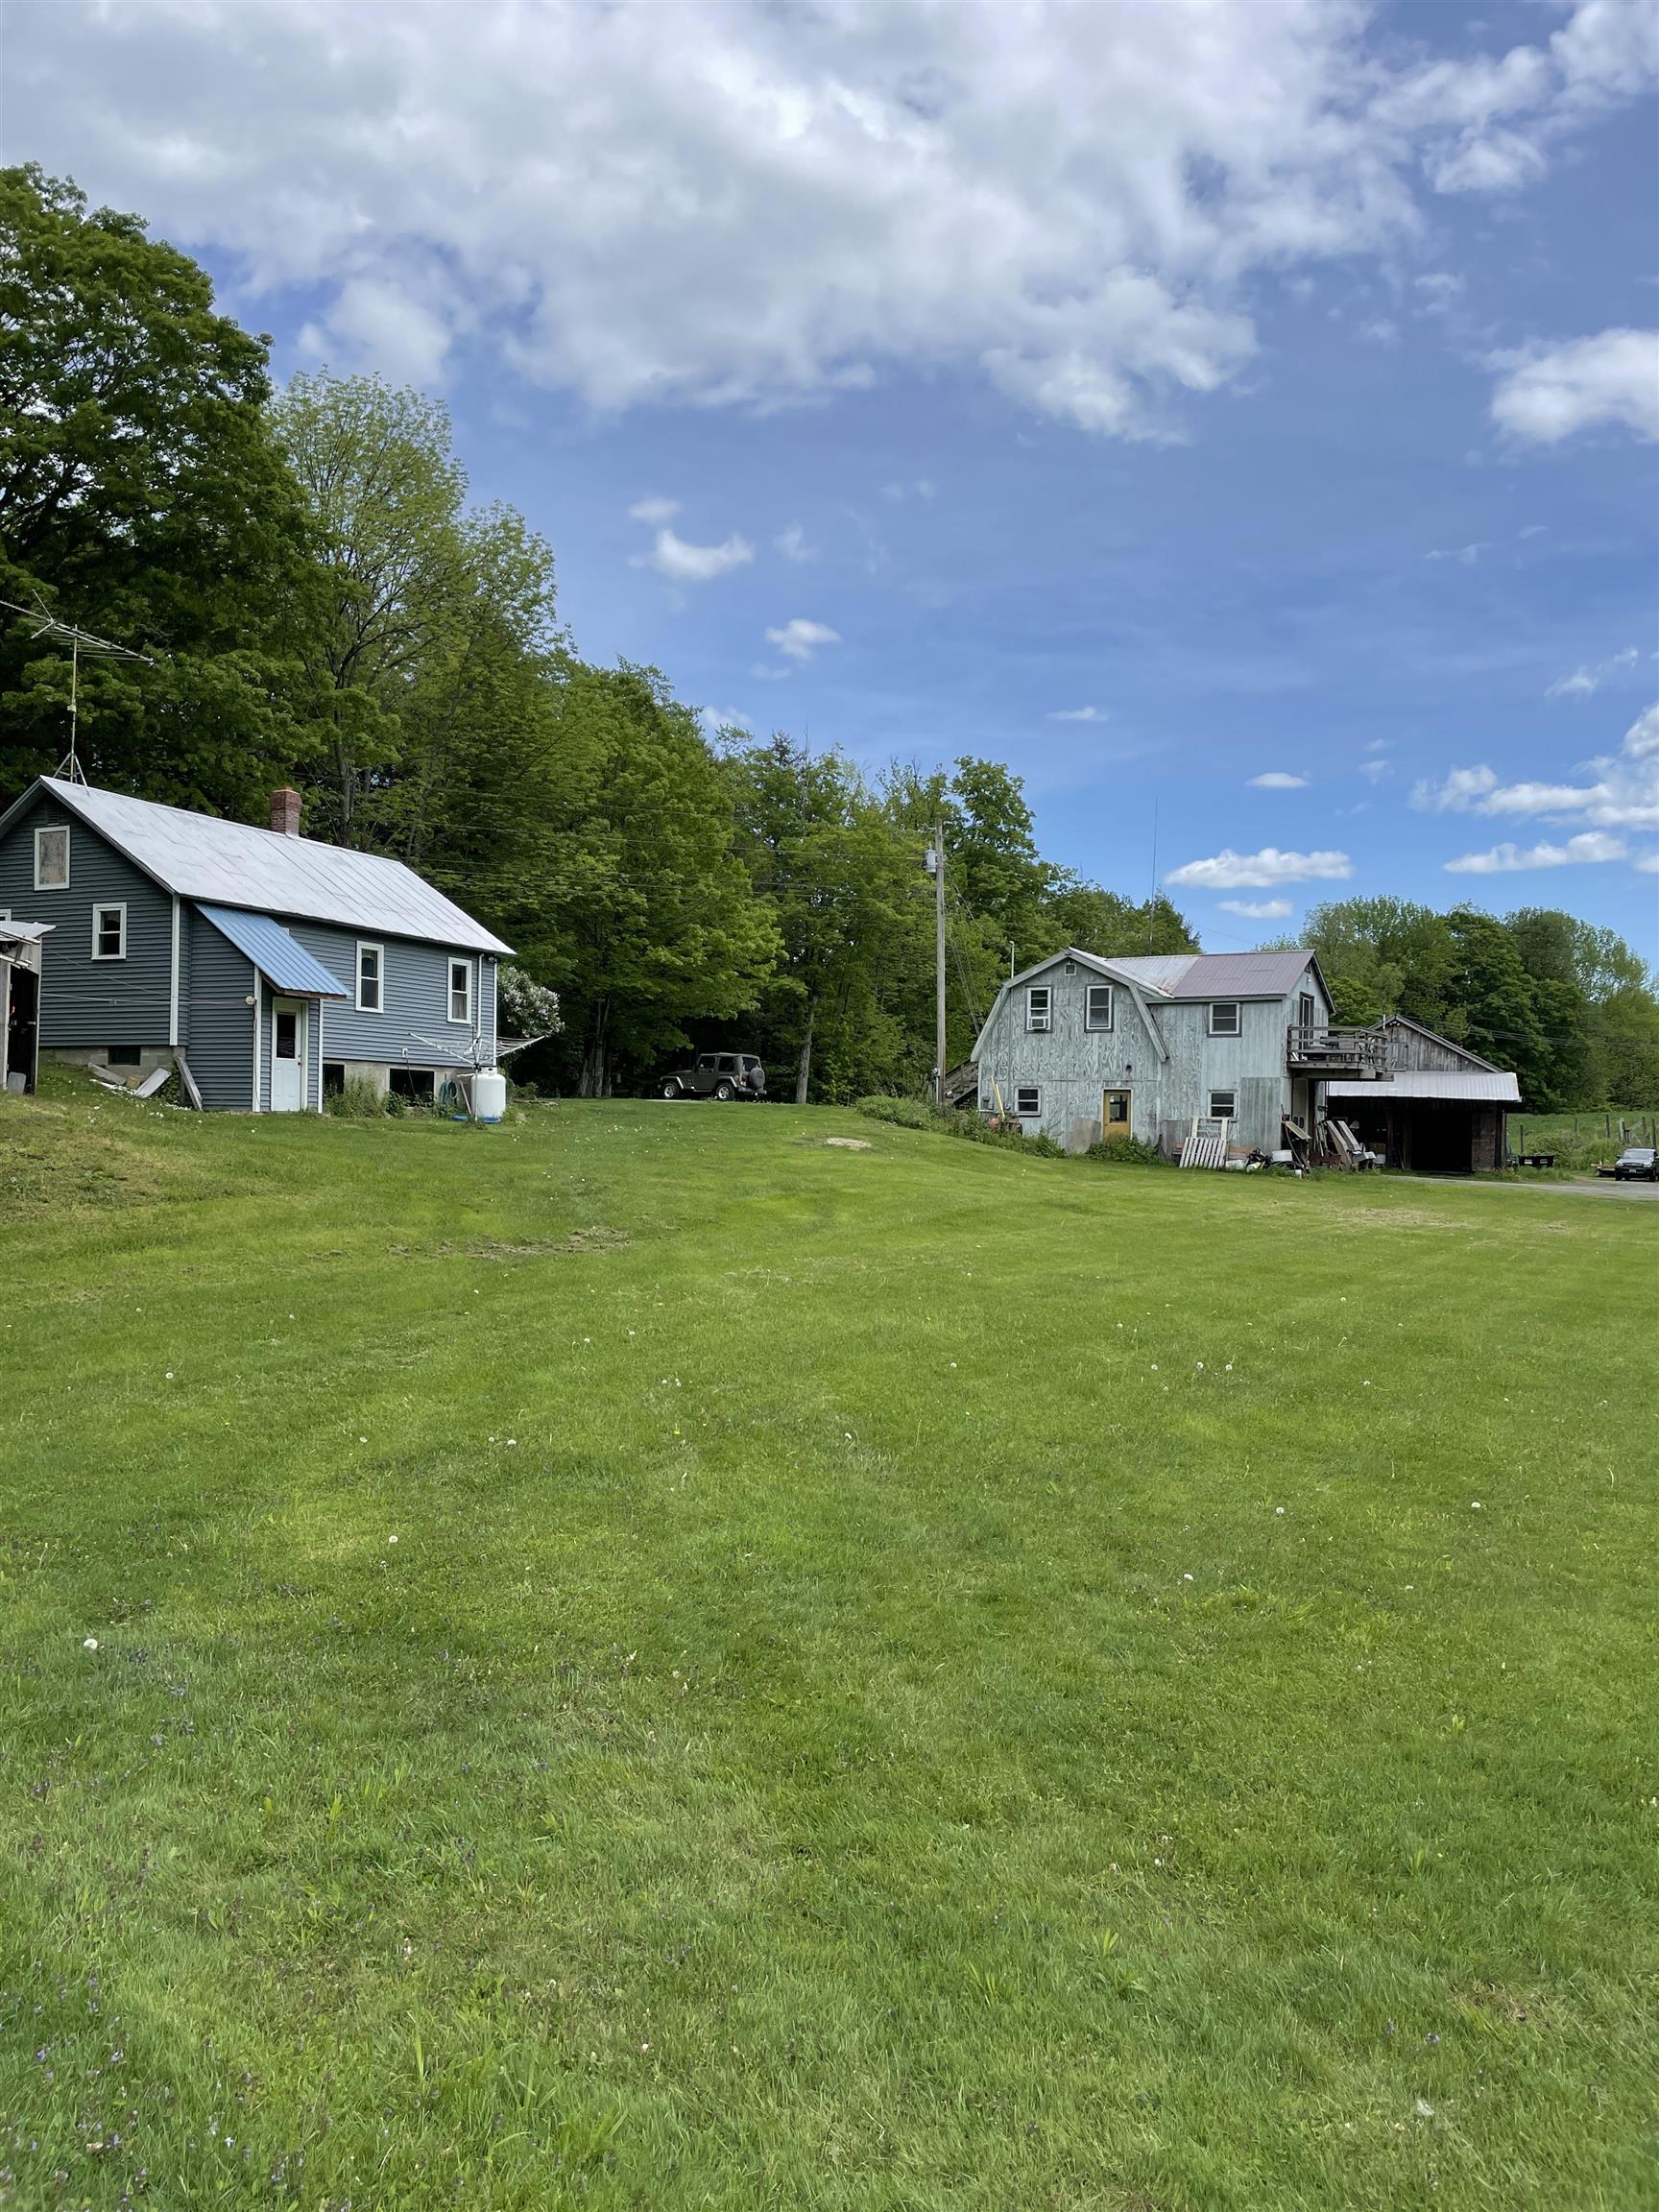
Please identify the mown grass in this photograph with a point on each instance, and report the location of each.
(647, 1660)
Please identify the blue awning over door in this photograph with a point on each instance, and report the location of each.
(283, 962)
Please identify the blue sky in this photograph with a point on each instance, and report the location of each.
(1159, 399)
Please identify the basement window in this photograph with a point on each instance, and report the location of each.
(1039, 1007)
(1223, 1105)
(123, 1056)
(1224, 1018)
(333, 1077)
(1097, 1011)
(109, 933)
(415, 1083)
(1028, 1102)
(52, 858)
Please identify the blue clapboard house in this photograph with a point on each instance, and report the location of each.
(270, 966)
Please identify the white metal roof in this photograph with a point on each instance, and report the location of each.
(236, 865)
(1464, 1083)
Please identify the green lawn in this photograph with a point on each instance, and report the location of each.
(645, 1659)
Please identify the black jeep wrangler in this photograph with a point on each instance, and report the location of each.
(718, 1075)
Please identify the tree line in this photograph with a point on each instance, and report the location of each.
(325, 605)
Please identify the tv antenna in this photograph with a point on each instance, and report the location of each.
(79, 641)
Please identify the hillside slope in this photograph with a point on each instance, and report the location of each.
(645, 1659)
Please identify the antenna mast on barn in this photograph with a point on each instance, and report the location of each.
(79, 641)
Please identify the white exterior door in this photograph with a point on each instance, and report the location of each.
(287, 1055)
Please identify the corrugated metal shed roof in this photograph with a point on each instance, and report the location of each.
(1464, 1083)
(286, 966)
(236, 865)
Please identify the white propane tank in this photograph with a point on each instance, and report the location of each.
(489, 1094)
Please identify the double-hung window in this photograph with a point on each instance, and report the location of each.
(1097, 1008)
(1223, 1105)
(1224, 1018)
(1039, 1007)
(109, 933)
(461, 991)
(1028, 1102)
(371, 967)
(52, 858)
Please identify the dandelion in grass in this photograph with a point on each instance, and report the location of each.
(90, 1644)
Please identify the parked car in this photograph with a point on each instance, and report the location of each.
(718, 1075)
(1637, 1164)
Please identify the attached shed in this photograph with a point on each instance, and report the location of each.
(1441, 1110)
(20, 1002)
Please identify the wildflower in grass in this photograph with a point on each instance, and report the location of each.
(391, 1539)
(1277, 1508)
(1425, 2111)
(90, 1644)
(1474, 1505)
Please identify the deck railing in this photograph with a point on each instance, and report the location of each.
(1315, 1051)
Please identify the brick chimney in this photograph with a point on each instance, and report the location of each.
(285, 810)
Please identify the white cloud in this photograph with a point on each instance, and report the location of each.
(1230, 870)
(1648, 863)
(799, 639)
(684, 564)
(720, 206)
(377, 322)
(1624, 796)
(655, 512)
(1462, 789)
(1375, 769)
(1591, 847)
(1278, 779)
(1258, 909)
(715, 719)
(1466, 556)
(1585, 680)
(1079, 714)
(918, 488)
(792, 543)
(1551, 392)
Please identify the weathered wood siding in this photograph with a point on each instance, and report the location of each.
(1409, 1048)
(86, 1002)
(1072, 1065)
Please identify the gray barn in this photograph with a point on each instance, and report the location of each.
(1079, 1046)
(1143, 1046)
(268, 964)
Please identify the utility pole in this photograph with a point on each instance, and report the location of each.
(938, 860)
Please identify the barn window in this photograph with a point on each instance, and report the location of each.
(460, 990)
(1028, 1101)
(1039, 1007)
(52, 858)
(1223, 1105)
(370, 959)
(1098, 1012)
(1224, 1018)
(109, 933)
(124, 1056)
